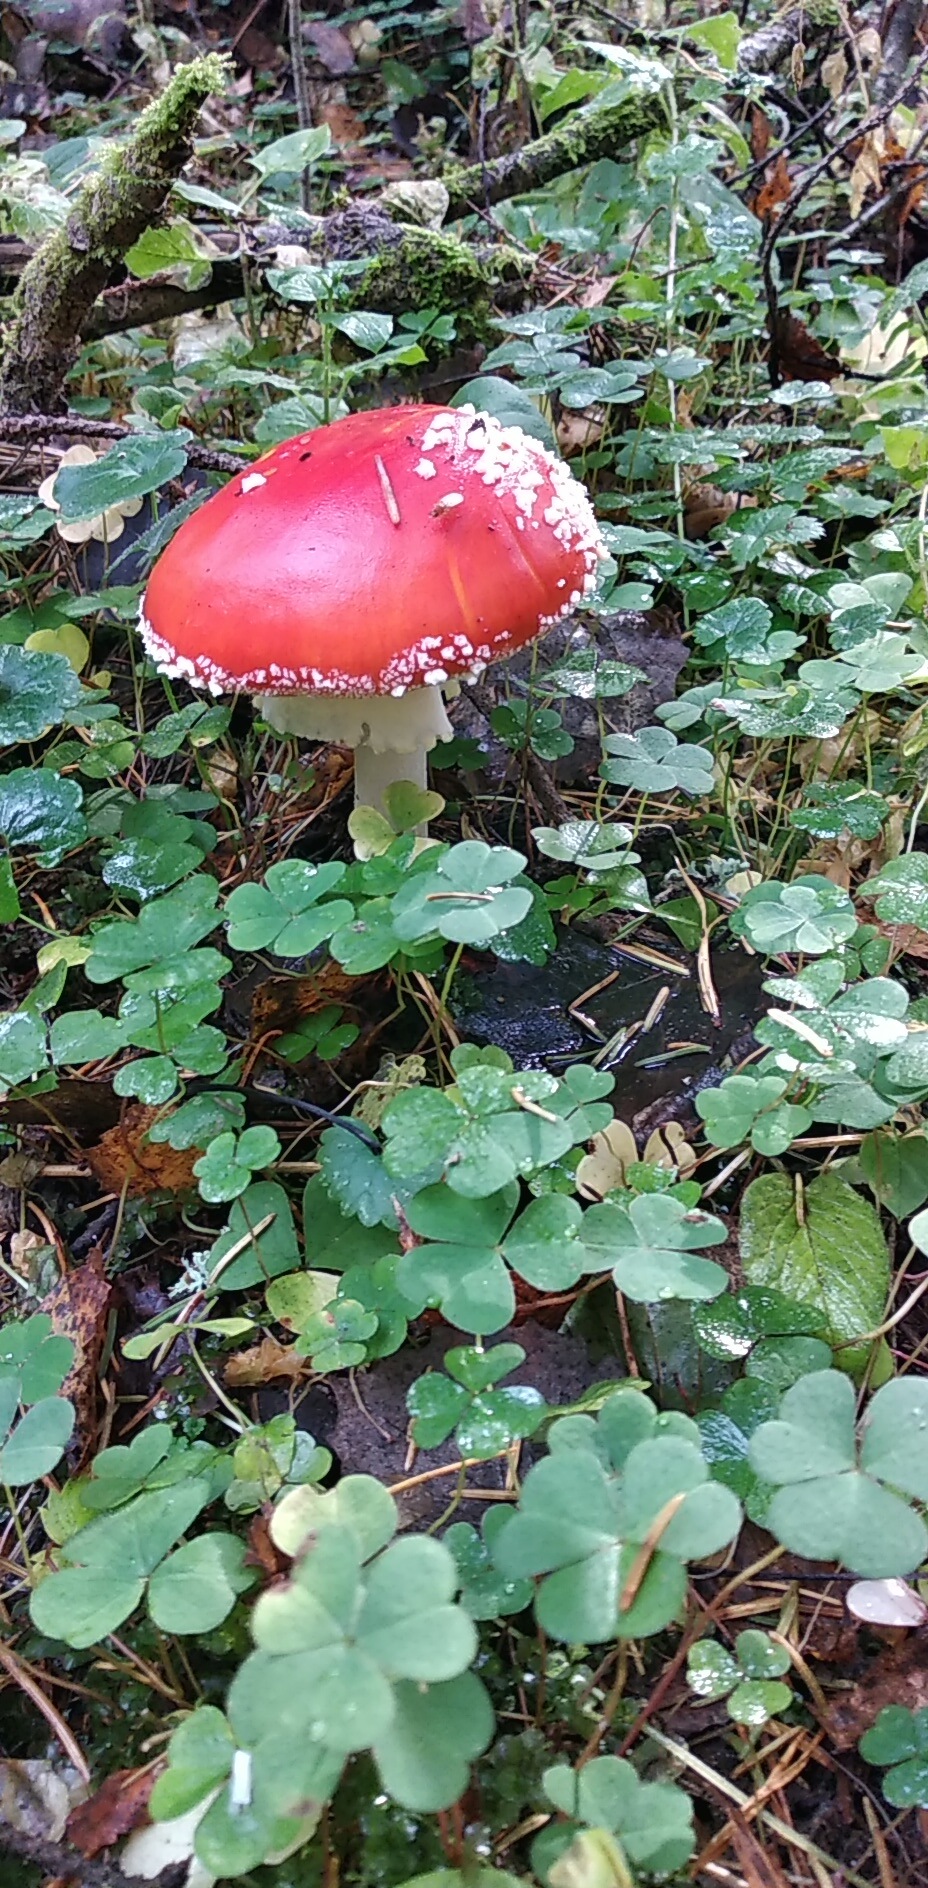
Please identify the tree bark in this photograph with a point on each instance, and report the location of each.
(72, 267)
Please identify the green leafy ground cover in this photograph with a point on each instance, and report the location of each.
(555, 1687)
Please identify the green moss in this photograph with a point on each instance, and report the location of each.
(71, 268)
(431, 269)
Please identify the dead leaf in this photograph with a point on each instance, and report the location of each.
(597, 292)
(120, 1804)
(801, 356)
(897, 1676)
(775, 189)
(603, 1169)
(758, 1868)
(263, 1363)
(333, 46)
(125, 1154)
(347, 127)
(760, 134)
(578, 431)
(835, 71)
(261, 1551)
(669, 1147)
(36, 1798)
(474, 23)
(78, 1307)
(281, 1002)
(870, 50)
(867, 173)
(22, 1246)
(706, 506)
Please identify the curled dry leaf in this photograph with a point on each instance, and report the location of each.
(612, 1152)
(263, 1363)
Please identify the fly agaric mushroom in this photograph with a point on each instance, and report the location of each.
(355, 570)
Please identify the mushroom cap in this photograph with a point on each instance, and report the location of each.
(391, 550)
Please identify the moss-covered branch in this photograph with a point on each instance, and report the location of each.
(596, 131)
(71, 269)
(409, 268)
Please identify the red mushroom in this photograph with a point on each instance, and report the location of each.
(349, 575)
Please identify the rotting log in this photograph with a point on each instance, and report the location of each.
(64, 278)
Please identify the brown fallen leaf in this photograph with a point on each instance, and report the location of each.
(78, 1307)
(897, 1676)
(125, 1154)
(346, 125)
(280, 1002)
(263, 1363)
(261, 1551)
(119, 1805)
(775, 189)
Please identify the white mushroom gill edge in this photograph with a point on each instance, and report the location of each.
(392, 735)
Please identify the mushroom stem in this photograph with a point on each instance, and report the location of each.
(374, 773)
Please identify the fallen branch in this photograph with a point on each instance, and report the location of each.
(63, 1861)
(16, 428)
(72, 267)
(410, 267)
(595, 132)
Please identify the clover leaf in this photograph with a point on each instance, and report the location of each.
(492, 1126)
(829, 810)
(651, 1822)
(900, 890)
(793, 709)
(467, 897)
(651, 1243)
(225, 1170)
(35, 1422)
(585, 1511)
(485, 1419)
(108, 1565)
(749, 1678)
(587, 844)
(469, 1248)
(654, 761)
(587, 676)
(291, 913)
(23, 1048)
(898, 1741)
(163, 935)
(884, 661)
(336, 1336)
(484, 1590)
(810, 916)
(751, 1107)
(835, 1499)
(362, 1648)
